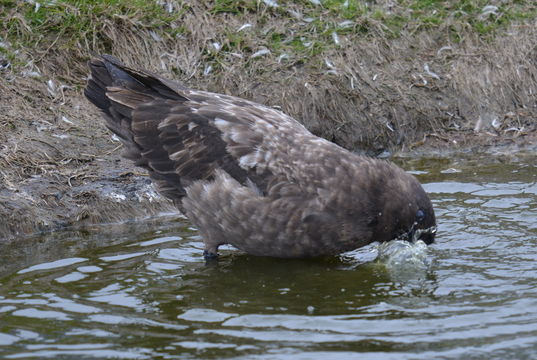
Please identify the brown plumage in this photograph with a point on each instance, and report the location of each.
(248, 175)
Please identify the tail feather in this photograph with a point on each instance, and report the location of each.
(95, 89)
(118, 92)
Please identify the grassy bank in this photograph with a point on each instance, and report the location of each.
(369, 75)
(314, 25)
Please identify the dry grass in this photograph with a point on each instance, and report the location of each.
(363, 85)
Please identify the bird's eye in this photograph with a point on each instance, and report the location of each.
(420, 215)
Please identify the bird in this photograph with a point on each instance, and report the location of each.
(249, 175)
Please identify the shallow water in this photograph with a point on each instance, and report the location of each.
(143, 291)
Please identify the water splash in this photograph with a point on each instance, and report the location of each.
(404, 260)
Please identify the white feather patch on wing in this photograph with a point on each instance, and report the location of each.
(248, 161)
(222, 125)
(239, 135)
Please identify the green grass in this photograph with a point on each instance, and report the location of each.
(77, 22)
(234, 6)
(80, 25)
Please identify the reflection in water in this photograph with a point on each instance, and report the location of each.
(133, 293)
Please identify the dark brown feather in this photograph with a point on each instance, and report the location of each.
(248, 175)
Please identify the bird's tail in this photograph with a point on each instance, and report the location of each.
(109, 71)
(125, 96)
(100, 78)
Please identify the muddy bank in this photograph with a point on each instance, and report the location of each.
(60, 168)
(420, 93)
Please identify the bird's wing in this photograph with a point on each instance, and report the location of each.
(182, 135)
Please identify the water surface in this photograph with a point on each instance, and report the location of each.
(143, 291)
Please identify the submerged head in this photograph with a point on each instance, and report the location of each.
(407, 212)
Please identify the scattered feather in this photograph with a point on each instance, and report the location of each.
(496, 124)
(335, 37)
(259, 53)
(295, 14)
(305, 42)
(424, 81)
(385, 154)
(510, 114)
(42, 125)
(329, 63)
(52, 88)
(32, 74)
(64, 119)
(282, 57)
(430, 73)
(315, 2)
(488, 10)
(167, 5)
(207, 70)
(155, 36)
(117, 197)
(346, 24)
(245, 26)
(479, 124)
(271, 3)
(217, 46)
(442, 49)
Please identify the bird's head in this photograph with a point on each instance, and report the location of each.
(406, 212)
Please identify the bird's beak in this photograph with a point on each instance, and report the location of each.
(425, 235)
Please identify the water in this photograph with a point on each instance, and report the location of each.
(143, 291)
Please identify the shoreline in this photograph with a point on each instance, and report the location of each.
(123, 195)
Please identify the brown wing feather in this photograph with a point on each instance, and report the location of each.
(181, 135)
(162, 130)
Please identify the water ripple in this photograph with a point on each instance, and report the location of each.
(470, 295)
